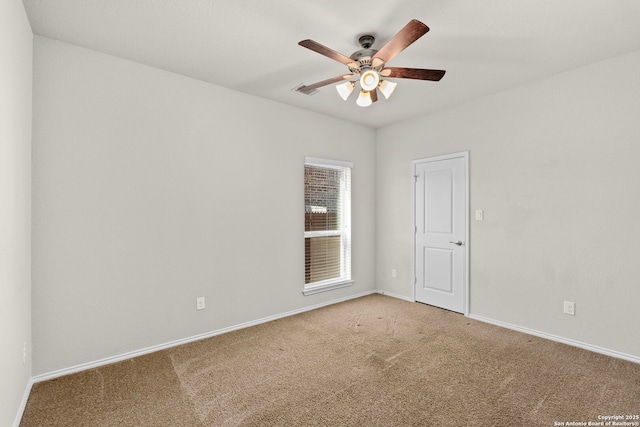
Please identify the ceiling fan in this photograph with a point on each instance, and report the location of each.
(369, 65)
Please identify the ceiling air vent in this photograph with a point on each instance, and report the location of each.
(312, 92)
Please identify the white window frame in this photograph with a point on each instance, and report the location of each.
(345, 231)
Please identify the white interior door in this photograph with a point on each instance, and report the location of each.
(441, 231)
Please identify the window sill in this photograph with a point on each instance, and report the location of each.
(314, 289)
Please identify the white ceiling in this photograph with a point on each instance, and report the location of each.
(251, 45)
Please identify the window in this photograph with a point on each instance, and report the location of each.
(327, 225)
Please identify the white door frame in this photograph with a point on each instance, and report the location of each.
(465, 156)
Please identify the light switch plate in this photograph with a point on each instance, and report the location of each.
(479, 215)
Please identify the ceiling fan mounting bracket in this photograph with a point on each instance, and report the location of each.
(366, 41)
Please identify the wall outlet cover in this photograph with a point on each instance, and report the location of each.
(570, 308)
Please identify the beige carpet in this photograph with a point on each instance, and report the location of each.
(373, 361)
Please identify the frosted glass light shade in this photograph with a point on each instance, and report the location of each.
(387, 88)
(369, 80)
(364, 99)
(345, 89)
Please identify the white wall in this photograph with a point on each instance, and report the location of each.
(556, 167)
(15, 206)
(151, 189)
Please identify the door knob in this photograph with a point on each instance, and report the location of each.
(457, 242)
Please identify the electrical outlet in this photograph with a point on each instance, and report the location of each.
(200, 303)
(570, 308)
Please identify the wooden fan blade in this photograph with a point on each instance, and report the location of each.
(410, 33)
(310, 88)
(374, 95)
(329, 53)
(412, 73)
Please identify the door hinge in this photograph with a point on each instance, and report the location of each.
(415, 280)
(415, 229)
(415, 178)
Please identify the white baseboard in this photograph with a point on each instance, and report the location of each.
(391, 294)
(559, 339)
(143, 351)
(23, 404)
(574, 343)
(140, 352)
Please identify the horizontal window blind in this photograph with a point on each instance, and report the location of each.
(327, 221)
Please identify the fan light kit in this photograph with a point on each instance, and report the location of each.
(367, 66)
(345, 89)
(369, 80)
(364, 99)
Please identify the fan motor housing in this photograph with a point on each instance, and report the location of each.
(364, 55)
